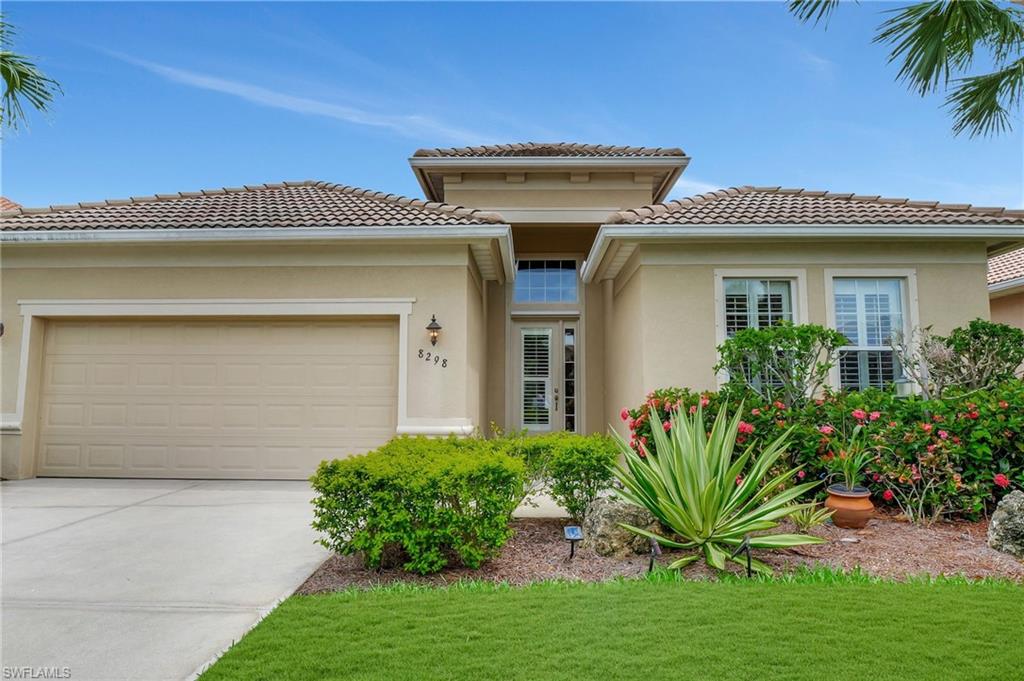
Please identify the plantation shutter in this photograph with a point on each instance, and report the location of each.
(536, 378)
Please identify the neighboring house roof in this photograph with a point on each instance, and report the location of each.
(776, 206)
(7, 204)
(1006, 267)
(536, 149)
(308, 204)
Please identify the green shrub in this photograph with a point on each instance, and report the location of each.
(581, 467)
(782, 362)
(424, 500)
(572, 468)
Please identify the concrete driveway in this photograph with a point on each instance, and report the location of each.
(144, 579)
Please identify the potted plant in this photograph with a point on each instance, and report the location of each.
(850, 502)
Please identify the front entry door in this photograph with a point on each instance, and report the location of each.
(546, 376)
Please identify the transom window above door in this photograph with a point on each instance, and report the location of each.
(546, 281)
(756, 303)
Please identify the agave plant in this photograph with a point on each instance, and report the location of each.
(810, 515)
(708, 500)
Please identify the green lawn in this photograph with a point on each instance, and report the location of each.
(813, 628)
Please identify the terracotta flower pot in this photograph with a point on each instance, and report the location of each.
(853, 508)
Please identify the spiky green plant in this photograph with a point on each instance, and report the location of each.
(810, 515)
(708, 500)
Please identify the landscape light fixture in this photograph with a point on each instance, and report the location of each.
(744, 547)
(433, 329)
(655, 552)
(573, 534)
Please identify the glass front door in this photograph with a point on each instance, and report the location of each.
(547, 379)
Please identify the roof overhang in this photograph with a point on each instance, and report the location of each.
(1006, 288)
(430, 170)
(615, 243)
(491, 245)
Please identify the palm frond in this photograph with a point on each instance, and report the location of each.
(816, 10)
(22, 81)
(982, 105)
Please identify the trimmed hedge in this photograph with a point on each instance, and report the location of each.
(424, 502)
(955, 455)
(572, 468)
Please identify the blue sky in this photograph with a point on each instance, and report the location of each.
(174, 96)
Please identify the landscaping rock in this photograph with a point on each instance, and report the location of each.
(602, 533)
(1006, 529)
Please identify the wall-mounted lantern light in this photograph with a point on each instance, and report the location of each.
(433, 329)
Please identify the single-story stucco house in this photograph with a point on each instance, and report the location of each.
(1006, 288)
(253, 332)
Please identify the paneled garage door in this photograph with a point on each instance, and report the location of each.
(213, 399)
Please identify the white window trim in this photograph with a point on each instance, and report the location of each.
(911, 320)
(316, 307)
(797, 276)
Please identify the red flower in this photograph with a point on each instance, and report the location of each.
(972, 415)
(926, 427)
(704, 401)
(956, 440)
(874, 415)
(800, 474)
(1001, 480)
(746, 428)
(943, 434)
(667, 426)
(624, 414)
(779, 405)
(1003, 404)
(631, 424)
(876, 477)
(826, 430)
(739, 480)
(755, 411)
(693, 409)
(888, 495)
(859, 414)
(643, 440)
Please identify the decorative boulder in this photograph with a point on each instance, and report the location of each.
(602, 533)
(1006, 529)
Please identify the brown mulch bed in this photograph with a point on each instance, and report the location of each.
(887, 547)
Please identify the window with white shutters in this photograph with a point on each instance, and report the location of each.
(536, 379)
(868, 312)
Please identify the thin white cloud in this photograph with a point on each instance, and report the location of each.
(813, 62)
(688, 186)
(410, 125)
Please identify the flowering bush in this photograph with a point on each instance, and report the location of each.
(955, 455)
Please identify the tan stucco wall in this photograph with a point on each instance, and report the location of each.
(437, 277)
(664, 309)
(625, 342)
(1008, 310)
(548, 190)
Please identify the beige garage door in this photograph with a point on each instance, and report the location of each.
(213, 399)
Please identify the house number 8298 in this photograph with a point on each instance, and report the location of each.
(433, 358)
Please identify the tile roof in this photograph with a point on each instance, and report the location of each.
(535, 149)
(1006, 267)
(7, 204)
(777, 206)
(287, 204)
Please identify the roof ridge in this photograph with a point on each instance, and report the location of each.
(578, 147)
(487, 216)
(630, 215)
